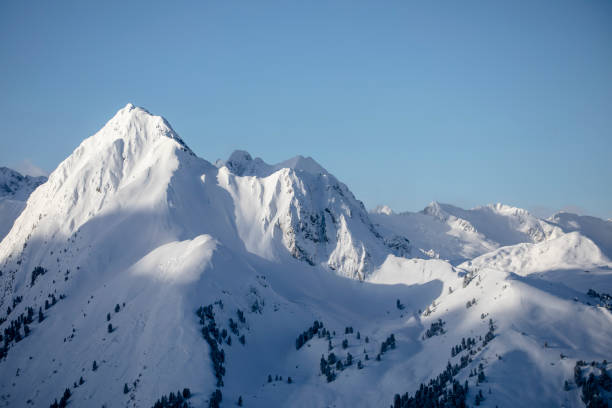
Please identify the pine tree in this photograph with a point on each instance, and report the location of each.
(240, 401)
(81, 381)
(95, 366)
(289, 380)
(110, 328)
(41, 317)
(126, 390)
(117, 308)
(108, 317)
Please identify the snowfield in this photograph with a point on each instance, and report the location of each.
(140, 269)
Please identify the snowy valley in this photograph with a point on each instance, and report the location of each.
(142, 275)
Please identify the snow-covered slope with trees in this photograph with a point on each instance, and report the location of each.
(139, 270)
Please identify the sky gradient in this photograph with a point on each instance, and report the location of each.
(468, 103)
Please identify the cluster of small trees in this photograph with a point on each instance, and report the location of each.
(315, 329)
(593, 386)
(234, 329)
(53, 300)
(213, 337)
(387, 344)
(327, 365)
(465, 345)
(12, 333)
(435, 394)
(469, 276)
(435, 329)
(470, 303)
(172, 400)
(215, 399)
(478, 373)
(16, 300)
(63, 401)
(110, 327)
(279, 378)
(38, 271)
(478, 398)
(490, 334)
(605, 300)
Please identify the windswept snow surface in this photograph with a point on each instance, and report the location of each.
(136, 232)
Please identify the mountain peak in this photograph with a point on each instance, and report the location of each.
(17, 186)
(383, 209)
(133, 121)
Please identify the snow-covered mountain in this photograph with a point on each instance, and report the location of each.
(140, 269)
(598, 230)
(455, 234)
(297, 206)
(14, 191)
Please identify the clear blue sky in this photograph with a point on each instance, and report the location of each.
(406, 102)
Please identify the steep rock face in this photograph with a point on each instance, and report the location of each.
(297, 206)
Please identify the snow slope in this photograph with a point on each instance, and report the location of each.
(596, 229)
(136, 232)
